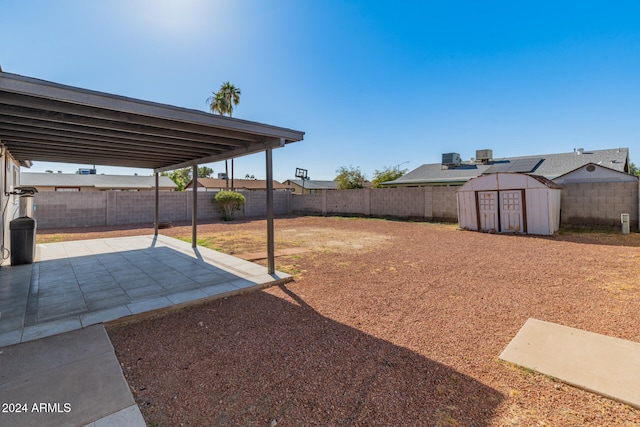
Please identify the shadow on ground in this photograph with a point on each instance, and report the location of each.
(253, 358)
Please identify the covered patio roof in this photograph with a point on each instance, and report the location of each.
(46, 121)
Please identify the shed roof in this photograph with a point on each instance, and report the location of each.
(45, 121)
(508, 180)
(41, 179)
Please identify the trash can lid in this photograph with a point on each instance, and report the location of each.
(22, 223)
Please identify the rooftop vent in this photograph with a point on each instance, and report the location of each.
(83, 171)
(578, 151)
(451, 159)
(483, 156)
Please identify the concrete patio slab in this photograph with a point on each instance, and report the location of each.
(601, 364)
(68, 379)
(79, 283)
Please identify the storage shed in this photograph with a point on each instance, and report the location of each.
(510, 203)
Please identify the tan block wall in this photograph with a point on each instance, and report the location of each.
(309, 203)
(599, 204)
(426, 203)
(107, 208)
(590, 204)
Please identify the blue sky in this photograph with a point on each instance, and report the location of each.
(372, 83)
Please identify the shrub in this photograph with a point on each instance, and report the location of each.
(228, 202)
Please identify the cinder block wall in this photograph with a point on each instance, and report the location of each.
(599, 203)
(62, 209)
(590, 204)
(346, 202)
(105, 208)
(398, 202)
(309, 203)
(427, 203)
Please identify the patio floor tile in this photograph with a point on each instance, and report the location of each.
(80, 283)
(149, 305)
(106, 315)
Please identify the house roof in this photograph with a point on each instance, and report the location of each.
(102, 182)
(315, 184)
(241, 184)
(45, 121)
(549, 166)
(436, 173)
(555, 165)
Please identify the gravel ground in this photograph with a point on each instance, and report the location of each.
(387, 324)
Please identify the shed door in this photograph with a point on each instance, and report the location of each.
(511, 212)
(488, 210)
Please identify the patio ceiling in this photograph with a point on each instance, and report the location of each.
(45, 121)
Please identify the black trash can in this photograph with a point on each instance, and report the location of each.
(23, 240)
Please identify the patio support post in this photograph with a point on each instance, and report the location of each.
(194, 213)
(270, 237)
(155, 211)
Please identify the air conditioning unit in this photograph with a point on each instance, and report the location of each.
(451, 159)
(222, 175)
(484, 155)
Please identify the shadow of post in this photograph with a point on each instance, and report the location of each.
(257, 357)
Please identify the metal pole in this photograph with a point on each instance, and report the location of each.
(155, 212)
(270, 236)
(194, 213)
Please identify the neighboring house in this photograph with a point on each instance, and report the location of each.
(213, 184)
(310, 186)
(592, 172)
(453, 171)
(80, 182)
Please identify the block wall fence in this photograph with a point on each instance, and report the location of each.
(106, 208)
(583, 204)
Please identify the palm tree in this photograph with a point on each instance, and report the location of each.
(217, 103)
(231, 95)
(222, 102)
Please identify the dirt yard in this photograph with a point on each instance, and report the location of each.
(387, 324)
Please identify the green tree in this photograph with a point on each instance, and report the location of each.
(633, 169)
(228, 202)
(231, 96)
(386, 174)
(204, 172)
(349, 177)
(222, 102)
(180, 176)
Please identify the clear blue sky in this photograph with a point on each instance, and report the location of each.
(372, 83)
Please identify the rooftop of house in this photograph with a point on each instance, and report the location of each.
(239, 184)
(549, 166)
(312, 184)
(102, 182)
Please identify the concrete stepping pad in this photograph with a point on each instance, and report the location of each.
(601, 364)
